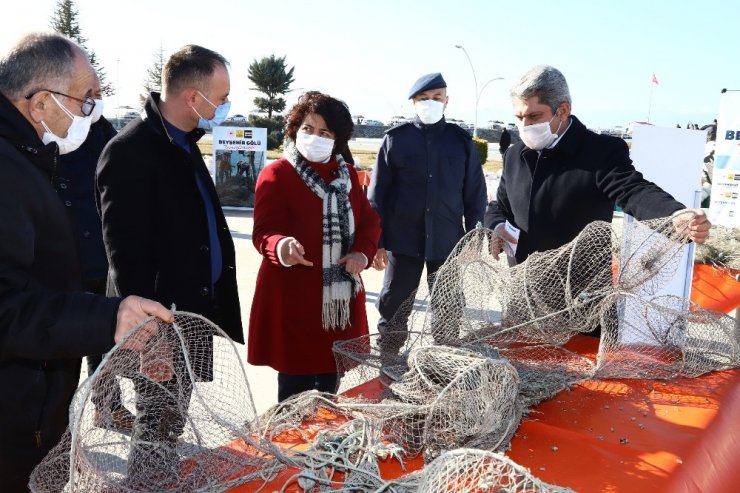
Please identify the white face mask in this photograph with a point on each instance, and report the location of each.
(76, 134)
(313, 147)
(222, 111)
(429, 111)
(538, 135)
(97, 111)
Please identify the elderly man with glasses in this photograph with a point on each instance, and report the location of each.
(46, 322)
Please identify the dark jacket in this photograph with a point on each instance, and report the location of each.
(504, 141)
(551, 196)
(75, 183)
(45, 326)
(428, 188)
(155, 227)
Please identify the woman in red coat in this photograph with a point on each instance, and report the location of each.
(316, 232)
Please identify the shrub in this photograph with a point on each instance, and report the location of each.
(274, 126)
(481, 145)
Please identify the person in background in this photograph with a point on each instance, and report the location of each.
(75, 184)
(504, 142)
(428, 188)
(47, 323)
(562, 176)
(165, 233)
(316, 232)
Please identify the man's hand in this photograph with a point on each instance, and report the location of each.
(354, 262)
(380, 261)
(292, 253)
(131, 312)
(500, 236)
(694, 223)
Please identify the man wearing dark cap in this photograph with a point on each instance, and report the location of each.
(428, 189)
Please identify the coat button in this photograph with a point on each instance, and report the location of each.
(63, 186)
(204, 291)
(86, 234)
(68, 203)
(204, 248)
(430, 175)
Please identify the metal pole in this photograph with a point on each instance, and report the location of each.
(118, 93)
(477, 96)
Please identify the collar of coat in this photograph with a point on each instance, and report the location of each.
(153, 117)
(19, 132)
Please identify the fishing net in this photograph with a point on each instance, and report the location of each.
(192, 393)
(448, 381)
(479, 471)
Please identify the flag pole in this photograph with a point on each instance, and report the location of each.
(650, 102)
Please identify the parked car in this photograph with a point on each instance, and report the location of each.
(373, 123)
(238, 118)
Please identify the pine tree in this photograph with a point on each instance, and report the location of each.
(64, 21)
(272, 78)
(153, 81)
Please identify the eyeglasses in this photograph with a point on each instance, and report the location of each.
(87, 104)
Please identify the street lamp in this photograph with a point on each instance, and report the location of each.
(477, 94)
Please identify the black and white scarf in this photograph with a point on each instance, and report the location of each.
(339, 286)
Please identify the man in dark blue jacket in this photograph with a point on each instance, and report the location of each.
(75, 184)
(429, 190)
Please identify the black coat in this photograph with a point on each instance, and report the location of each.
(428, 188)
(75, 184)
(504, 141)
(551, 196)
(45, 326)
(155, 227)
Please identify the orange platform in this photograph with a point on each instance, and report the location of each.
(615, 435)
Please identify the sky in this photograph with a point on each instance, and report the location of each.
(368, 53)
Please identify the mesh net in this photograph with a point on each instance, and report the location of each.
(194, 397)
(458, 367)
(479, 471)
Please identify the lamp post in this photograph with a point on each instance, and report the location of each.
(477, 94)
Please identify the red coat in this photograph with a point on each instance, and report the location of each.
(285, 329)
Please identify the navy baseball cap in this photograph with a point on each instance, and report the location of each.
(426, 82)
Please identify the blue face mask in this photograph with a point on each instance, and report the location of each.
(222, 112)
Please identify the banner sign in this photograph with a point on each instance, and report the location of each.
(724, 205)
(239, 154)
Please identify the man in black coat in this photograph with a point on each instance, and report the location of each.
(504, 141)
(164, 231)
(75, 184)
(562, 176)
(46, 322)
(429, 190)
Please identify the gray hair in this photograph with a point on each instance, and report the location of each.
(38, 61)
(545, 82)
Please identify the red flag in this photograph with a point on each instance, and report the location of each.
(655, 79)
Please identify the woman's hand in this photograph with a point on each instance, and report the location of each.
(354, 262)
(292, 253)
